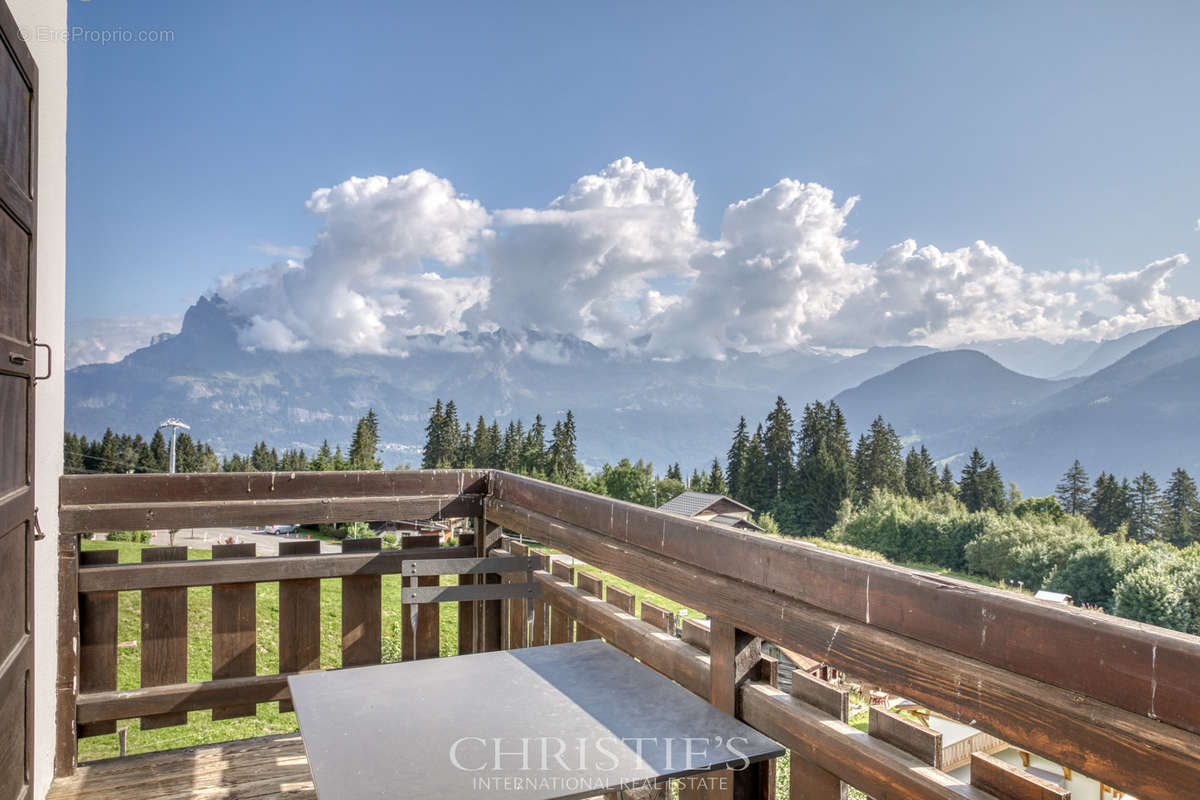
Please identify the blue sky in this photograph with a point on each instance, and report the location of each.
(1063, 134)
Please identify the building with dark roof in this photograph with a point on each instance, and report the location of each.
(715, 508)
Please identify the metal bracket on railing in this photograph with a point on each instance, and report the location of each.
(470, 566)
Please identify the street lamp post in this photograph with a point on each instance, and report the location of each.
(174, 425)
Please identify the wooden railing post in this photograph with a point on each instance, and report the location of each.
(97, 641)
(423, 641)
(489, 628)
(66, 682)
(807, 780)
(466, 608)
(299, 617)
(734, 656)
(234, 630)
(362, 610)
(164, 636)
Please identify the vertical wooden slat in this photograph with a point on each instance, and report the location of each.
(362, 624)
(234, 638)
(66, 683)
(658, 616)
(517, 616)
(541, 612)
(808, 781)
(466, 608)
(620, 598)
(592, 585)
(489, 627)
(299, 617)
(1004, 780)
(423, 642)
(915, 739)
(562, 627)
(164, 636)
(97, 641)
(695, 632)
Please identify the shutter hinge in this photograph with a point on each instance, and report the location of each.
(38, 534)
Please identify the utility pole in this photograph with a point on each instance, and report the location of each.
(174, 425)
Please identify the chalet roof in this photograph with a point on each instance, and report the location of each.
(730, 519)
(689, 504)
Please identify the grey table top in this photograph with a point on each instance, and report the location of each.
(561, 721)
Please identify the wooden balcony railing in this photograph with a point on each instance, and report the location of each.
(1114, 700)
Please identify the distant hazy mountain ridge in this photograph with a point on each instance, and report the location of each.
(1132, 413)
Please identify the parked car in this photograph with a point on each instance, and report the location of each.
(281, 530)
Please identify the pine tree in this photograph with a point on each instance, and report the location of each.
(324, 460)
(1073, 490)
(918, 479)
(494, 444)
(1111, 505)
(674, 473)
(1146, 504)
(755, 481)
(778, 449)
(159, 457)
(365, 443)
(716, 479)
(946, 484)
(1181, 507)
(824, 469)
(72, 454)
(435, 447)
(879, 463)
(463, 457)
(533, 452)
(735, 460)
(991, 489)
(972, 485)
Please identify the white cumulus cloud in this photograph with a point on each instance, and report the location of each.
(618, 259)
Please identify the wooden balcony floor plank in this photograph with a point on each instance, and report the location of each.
(265, 768)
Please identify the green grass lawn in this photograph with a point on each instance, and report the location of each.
(201, 728)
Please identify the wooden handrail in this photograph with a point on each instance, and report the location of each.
(1097, 739)
(262, 569)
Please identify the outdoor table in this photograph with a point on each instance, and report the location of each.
(558, 721)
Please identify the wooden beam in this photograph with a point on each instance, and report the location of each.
(1004, 780)
(202, 486)
(1145, 670)
(236, 512)
(122, 577)
(734, 655)
(1099, 740)
(872, 766)
(489, 630)
(180, 698)
(682, 663)
(66, 682)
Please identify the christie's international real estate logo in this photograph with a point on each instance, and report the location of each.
(551, 762)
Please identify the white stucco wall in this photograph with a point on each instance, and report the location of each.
(50, 52)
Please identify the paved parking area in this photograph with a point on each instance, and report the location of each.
(205, 538)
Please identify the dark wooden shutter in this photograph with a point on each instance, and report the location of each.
(18, 81)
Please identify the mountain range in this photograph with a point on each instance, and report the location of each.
(1121, 405)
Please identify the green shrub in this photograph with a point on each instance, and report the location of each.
(1155, 593)
(934, 531)
(1090, 575)
(139, 537)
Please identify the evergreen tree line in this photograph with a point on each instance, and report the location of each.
(1138, 508)
(121, 453)
(802, 476)
(526, 451)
